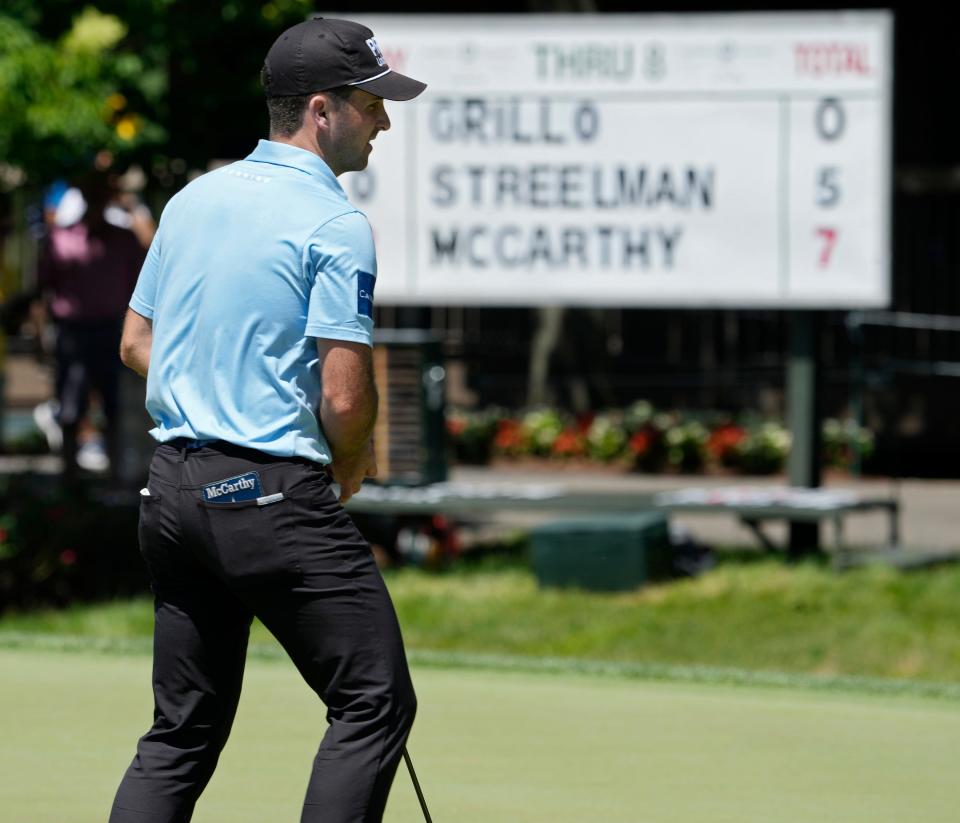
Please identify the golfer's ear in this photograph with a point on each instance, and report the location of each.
(318, 108)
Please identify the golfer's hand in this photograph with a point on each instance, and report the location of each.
(350, 470)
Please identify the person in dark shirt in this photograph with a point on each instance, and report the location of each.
(87, 272)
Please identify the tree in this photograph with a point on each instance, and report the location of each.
(66, 98)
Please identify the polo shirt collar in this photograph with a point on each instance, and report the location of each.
(283, 154)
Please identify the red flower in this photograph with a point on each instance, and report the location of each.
(724, 440)
(456, 426)
(640, 443)
(569, 443)
(3, 535)
(68, 557)
(509, 437)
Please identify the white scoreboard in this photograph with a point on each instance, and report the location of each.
(738, 160)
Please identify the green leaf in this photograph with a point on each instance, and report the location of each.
(94, 32)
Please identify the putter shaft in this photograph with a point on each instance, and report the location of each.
(416, 785)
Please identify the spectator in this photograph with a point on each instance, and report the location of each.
(87, 271)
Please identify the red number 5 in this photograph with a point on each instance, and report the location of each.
(829, 243)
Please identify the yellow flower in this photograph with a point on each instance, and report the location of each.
(116, 101)
(127, 127)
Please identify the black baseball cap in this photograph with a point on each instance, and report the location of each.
(323, 53)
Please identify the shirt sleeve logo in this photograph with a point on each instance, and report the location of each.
(365, 284)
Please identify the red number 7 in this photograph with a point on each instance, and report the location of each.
(829, 243)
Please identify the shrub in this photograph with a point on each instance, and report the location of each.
(60, 543)
(541, 427)
(649, 439)
(571, 442)
(509, 439)
(638, 416)
(764, 450)
(471, 435)
(647, 446)
(606, 439)
(843, 441)
(723, 443)
(686, 446)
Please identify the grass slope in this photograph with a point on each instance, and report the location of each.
(759, 616)
(496, 746)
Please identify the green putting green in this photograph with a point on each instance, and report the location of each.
(499, 746)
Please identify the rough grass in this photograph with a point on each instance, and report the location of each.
(872, 622)
(761, 616)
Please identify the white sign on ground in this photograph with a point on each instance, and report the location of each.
(740, 160)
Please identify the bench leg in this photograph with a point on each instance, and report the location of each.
(894, 525)
(754, 525)
(838, 532)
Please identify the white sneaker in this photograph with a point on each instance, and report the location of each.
(45, 418)
(92, 457)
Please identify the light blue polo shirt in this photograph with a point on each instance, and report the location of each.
(250, 264)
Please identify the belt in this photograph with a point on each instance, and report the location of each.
(187, 443)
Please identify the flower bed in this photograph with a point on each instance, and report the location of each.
(643, 438)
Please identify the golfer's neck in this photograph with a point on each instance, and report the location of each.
(302, 140)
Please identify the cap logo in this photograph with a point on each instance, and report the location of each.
(375, 48)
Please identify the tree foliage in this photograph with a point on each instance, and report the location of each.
(63, 99)
(170, 84)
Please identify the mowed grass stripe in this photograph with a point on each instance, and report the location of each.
(530, 748)
(537, 665)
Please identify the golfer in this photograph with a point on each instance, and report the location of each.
(252, 321)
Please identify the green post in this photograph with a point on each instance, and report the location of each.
(803, 417)
(857, 384)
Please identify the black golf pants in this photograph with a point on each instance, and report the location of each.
(280, 548)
